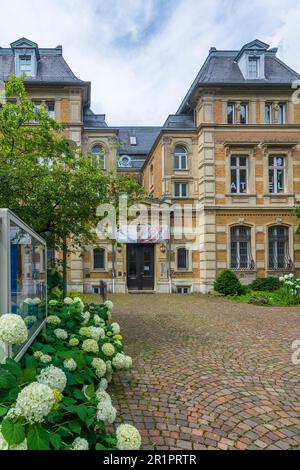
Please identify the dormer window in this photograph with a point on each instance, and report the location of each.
(253, 67)
(132, 140)
(25, 65)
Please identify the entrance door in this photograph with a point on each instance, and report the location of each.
(140, 266)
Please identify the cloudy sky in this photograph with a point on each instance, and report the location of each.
(142, 55)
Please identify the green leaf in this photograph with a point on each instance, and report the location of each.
(37, 438)
(7, 379)
(78, 378)
(78, 394)
(28, 374)
(3, 410)
(12, 432)
(55, 441)
(100, 447)
(12, 367)
(75, 427)
(82, 412)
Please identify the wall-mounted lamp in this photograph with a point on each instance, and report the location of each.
(163, 248)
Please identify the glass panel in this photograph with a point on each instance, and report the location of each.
(233, 185)
(147, 262)
(184, 190)
(271, 181)
(176, 162)
(177, 189)
(243, 113)
(99, 259)
(281, 114)
(182, 258)
(280, 181)
(268, 114)
(183, 162)
(28, 279)
(243, 181)
(230, 113)
(132, 262)
(234, 255)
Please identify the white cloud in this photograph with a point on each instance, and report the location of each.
(139, 77)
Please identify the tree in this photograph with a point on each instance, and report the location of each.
(45, 179)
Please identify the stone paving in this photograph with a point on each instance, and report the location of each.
(208, 373)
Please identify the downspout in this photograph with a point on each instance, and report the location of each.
(113, 273)
(169, 265)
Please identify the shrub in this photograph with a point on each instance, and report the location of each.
(227, 283)
(268, 284)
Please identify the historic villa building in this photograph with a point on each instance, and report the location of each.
(231, 153)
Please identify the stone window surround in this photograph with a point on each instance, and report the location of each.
(238, 223)
(181, 143)
(275, 112)
(278, 222)
(190, 258)
(93, 144)
(288, 170)
(240, 151)
(105, 269)
(237, 111)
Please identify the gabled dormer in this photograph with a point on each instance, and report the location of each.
(251, 60)
(26, 57)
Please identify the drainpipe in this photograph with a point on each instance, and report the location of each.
(169, 265)
(113, 273)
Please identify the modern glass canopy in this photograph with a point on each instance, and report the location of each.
(23, 278)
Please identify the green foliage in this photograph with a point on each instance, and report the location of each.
(280, 297)
(268, 284)
(74, 415)
(227, 283)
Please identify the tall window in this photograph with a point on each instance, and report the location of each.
(253, 67)
(98, 259)
(279, 248)
(180, 158)
(239, 174)
(276, 174)
(230, 113)
(181, 190)
(244, 113)
(98, 155)
(240, 243)
(25, 64)
(151, 175)
(268, 113)
(182, 258)
(51, 108)
(281, 113)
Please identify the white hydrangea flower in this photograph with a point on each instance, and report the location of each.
(109, 304)
(53, 320)
(109, 367)
(108, 349)
(36, 301)
(86, 316)
(106, 412)
(34, 402)
(281, 279)
(119, 361)
(98, 320)
(90, 345)
(99, 366)
(128, 437)
(103, 384)
(53, 377)
(118, 342)
(96, 332)
(68, 301)
(53, 302)
(102, 395)
(37, 354)
(70, 364)
(13, 329)
(80, 444)
(115, 328)
(78, 304)
(45, 358)
(4, 445)
(60, 333)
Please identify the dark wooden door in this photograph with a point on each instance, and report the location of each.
(140, 266)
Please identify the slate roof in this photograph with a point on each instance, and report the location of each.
(145, 138)
(179, 121)
(91, 120)
(221, 69)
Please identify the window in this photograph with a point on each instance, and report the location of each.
(276, 174)
(240, 244)
(279, 248)
(25, 64)
(230, 113)
(182, 258)
(183, 289)
(181, 190)
(253, 67)
(180, 158)
(50, 105)
(239, 174)
(281, 113)
(244, 113)
(124, 161)
(96, 289)
(151, 175)
(99, 259)
(98, 155)
(132, 140)
(268, 113)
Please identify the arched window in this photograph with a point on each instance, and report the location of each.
(98, 259)
(98, 154)
(279, 248)
(240, 248)
(180, 158)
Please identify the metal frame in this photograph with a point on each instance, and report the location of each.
(6, 217)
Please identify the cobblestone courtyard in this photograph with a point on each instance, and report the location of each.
(208, 373)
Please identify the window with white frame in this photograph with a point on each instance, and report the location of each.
(151, 175)
(244, 113)
(253, 67)
(230, 113)
(183, 289)
(239, 174)
(50, 105)
(182, 259)
(96, 289)
(98, 259)
(98, 155)
(240, 248)
(180, 158)
(268, 113)
(276, 174)
(25, 64)
(181, 189)
(279, 248)
(281, 113)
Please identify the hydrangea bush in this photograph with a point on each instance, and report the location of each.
(56, 398)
